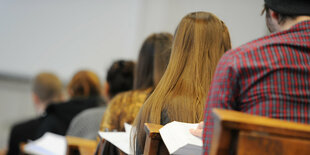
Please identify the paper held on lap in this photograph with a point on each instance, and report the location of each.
(175, 135)
(48, 144)
(120, 139)
(179, 140)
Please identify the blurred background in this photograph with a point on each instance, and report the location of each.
(66, 36)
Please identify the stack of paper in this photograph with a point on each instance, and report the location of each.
(120, 139)
(48, 144)
(179, 140)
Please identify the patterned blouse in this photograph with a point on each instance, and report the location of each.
(124, 107)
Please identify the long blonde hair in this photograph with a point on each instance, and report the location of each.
(200, 40)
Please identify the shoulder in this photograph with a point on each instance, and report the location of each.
(130, 96)
(25, 130)
(250, 51)
(265, 43)
(248, 47)
(26, 125)
(89, 114)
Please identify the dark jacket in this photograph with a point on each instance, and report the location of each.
(59, 116)
(22, 132)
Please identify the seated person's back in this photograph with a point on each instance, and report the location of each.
(119, 79)
(270, 75)
(124, 107)
(47, 89)
(199, 42)
(84, 90)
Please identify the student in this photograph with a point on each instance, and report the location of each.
(119, 79)
(84, 90)
(46, 89)
(125, 106)
(200, 40)
(269, 76)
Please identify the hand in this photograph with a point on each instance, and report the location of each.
(197, 132)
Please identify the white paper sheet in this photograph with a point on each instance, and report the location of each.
(120, 139)
(179, 140)
(127, 127)
(48, 144)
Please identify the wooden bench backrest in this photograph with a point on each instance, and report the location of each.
(81, 145)
(241, 134)
(153, 138)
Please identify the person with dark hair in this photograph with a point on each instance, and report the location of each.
(124, 107)
(84, 90)
(46, 89)
(268, 76)
(119, 79)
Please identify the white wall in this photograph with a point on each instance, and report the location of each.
(65, 36)
(15, 106)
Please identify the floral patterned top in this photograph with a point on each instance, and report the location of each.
(124, 107)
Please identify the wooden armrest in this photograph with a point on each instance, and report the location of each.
(84, 146)
(22, 147)
(152, 138)
(80, 142)
(152, 130)
(242, 121)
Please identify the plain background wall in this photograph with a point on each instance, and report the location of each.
(65, 36)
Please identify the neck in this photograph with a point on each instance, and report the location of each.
(290, 23)
(41, 108)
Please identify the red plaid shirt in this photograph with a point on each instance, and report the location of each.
(269, 77)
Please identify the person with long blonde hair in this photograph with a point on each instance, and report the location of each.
(199, 42)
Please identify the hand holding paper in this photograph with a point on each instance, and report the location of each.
(198, 131)
(179, 140)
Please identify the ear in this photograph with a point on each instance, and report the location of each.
(274, 15)
(36, 100)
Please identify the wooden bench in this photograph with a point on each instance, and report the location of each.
(153, 138)
(79, 145)
(243, 134)
(237, 133)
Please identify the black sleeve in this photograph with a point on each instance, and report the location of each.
(14, 141)
(51, 124)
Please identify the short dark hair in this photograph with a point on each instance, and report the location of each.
(144, 71)
(282, 17)
(120, 76)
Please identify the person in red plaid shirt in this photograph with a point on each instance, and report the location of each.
(269, 76)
